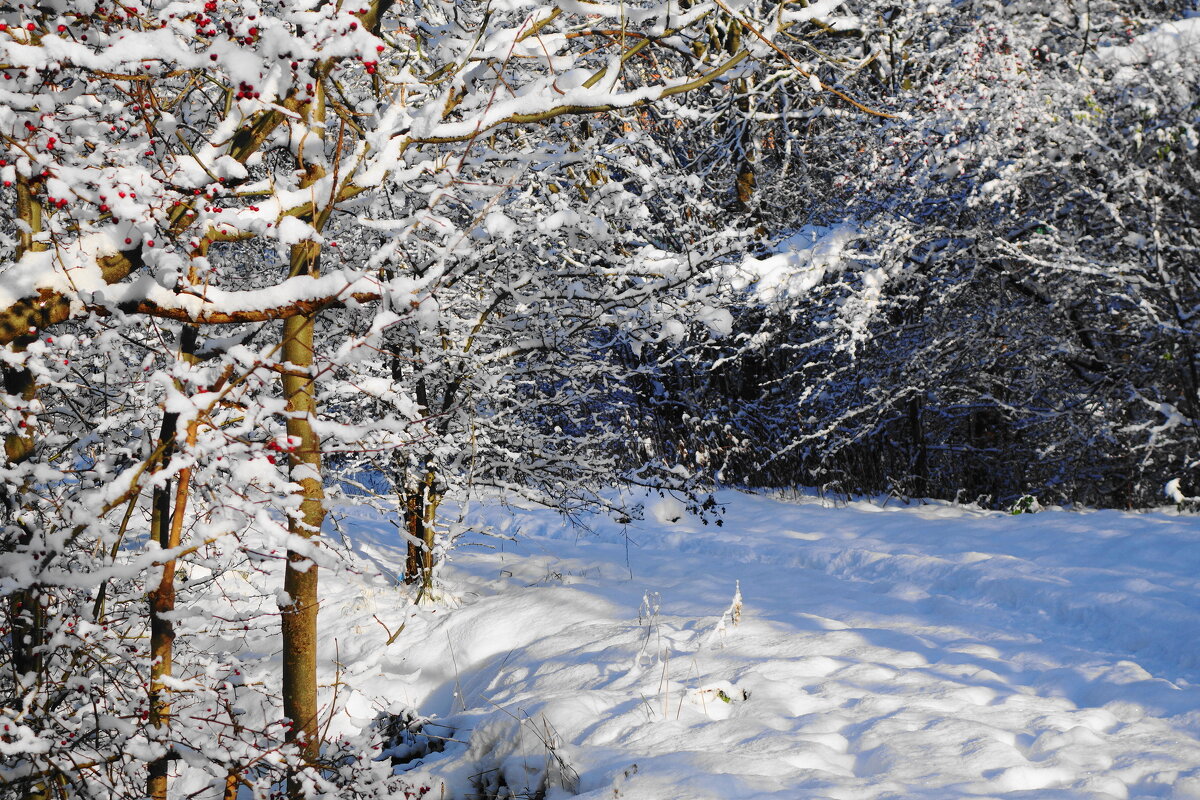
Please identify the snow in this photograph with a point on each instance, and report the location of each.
(795, 265)
(34, 272)
(821, 8)
(337, 284)
(1170, 41)
(293, 230)
(872, 651)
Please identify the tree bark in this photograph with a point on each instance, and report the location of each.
(920, 456)
(166, 524)
(26, 606)
(299, 611)
(299, 605)
(420, 504)
(26, 613)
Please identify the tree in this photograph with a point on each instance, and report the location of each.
(186, 175)
(972, 308)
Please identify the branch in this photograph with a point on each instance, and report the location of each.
(573, 109)
(303, 294)
(50, 307)
(796, 66)
(215, 316)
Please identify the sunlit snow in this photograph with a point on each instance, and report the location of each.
(874, 651)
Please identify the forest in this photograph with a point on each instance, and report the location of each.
(265, 261)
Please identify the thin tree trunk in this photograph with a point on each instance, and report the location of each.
(162, 602)
(299, 611)
(432, 500)
(414, 515)
(231, 786)
(26, 615)
(25, 608)
(167, 528)
(420, 503)
(920, 459)
(745, 180)
(299, 605)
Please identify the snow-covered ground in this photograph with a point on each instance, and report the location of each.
(924, 651)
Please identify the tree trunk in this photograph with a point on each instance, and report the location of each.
(410, 501)
(162, 602)
(420, 504)
(299, 610)
(166, 524)
(745, 179)
(25, 606)
(299, 605)
(920, 455)
(26, 615)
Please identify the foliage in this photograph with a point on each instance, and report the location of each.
(995, 299)
(444, 207)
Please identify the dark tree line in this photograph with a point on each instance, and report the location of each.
(1016, 312)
